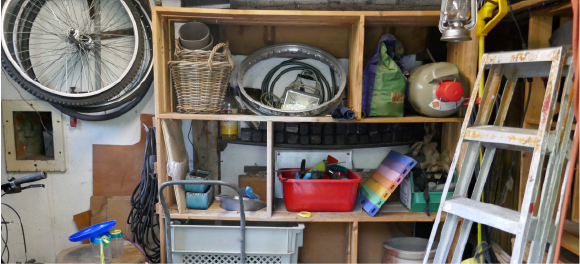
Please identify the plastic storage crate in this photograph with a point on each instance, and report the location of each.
(414, 201)
(210, 242)
(322, 195)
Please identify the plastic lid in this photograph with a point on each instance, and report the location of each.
(116, 233)
(97, 239)
(92, 231)
(449, 91)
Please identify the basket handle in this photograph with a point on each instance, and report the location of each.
(226, 52)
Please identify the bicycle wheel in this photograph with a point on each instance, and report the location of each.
(137, 89)
(72, 52)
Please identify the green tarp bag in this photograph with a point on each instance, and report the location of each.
(383, 80)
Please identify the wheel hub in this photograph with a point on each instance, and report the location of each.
(83, 42)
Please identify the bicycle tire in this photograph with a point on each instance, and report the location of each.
(145, 84)
(79, 101)
(108, 116)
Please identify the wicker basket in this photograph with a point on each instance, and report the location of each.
(201, 78)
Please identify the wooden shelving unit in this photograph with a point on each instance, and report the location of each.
(341, 33)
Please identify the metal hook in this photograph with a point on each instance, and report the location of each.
(145, 127)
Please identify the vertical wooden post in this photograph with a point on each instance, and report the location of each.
(576, 199)
(270, 169)
(356, 66)
(465, 56)
(162, 241)
(206, 155)
(353, 242)
(539, 34)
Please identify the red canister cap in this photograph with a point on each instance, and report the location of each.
(449, 91)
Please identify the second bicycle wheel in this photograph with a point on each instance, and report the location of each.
(78, 52)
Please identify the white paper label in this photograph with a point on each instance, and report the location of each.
(446, 106)
(406, 190)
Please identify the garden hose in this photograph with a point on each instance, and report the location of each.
(268, 84)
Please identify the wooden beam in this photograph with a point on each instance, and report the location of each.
(535, 4)
(570, 242)
(270, 168)
(465, 56)
(555, 10)
(356, 67)
(540, 30)
(325, 119)
(353, 243)
(206, 154)
(575, 215)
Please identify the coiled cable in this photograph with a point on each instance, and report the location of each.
(327, 91)
(143, 217)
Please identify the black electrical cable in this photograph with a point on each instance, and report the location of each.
(524, 45)
(5, 242)
(268, 87)
(515, 153)
(143, 216)
(319, 77)
(22, 228)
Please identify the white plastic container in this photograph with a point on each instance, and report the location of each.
(96, 246)
(266, 242)
(117, 247)
(407, 250)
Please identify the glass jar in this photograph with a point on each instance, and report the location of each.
(104, 241)
(229, 129)
(458, 11)
(117, 246)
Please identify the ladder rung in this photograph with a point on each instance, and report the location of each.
(504, 137)
(484, 213)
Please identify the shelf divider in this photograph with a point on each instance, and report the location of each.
(270, 168)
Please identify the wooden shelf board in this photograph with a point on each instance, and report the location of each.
(326, 119)
(215, 212)
(570, 242)
(279, 17)
(317, 147)
(355, 217)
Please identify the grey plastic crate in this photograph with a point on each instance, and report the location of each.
(219, 242)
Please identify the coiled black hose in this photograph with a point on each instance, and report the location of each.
(268, 87)
(143, 217)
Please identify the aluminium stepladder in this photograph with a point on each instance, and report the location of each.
(545, 141)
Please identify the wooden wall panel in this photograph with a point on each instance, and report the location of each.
(324, 243)
(245, 39)
(117, 168)
(205, 148)
(412, 38)
(372, 235)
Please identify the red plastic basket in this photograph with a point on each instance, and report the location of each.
(324, 195)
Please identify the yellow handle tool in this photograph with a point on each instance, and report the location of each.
(485, 22)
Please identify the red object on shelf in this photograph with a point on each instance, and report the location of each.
(449, 91)
(325, 195)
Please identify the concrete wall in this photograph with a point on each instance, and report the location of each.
(47, 214)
